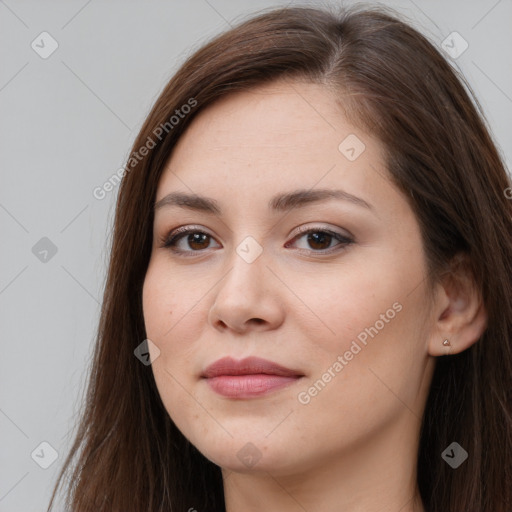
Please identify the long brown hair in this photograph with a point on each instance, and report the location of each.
(128, 455)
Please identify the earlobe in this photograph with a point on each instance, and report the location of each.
(448, 345)
(461, 317)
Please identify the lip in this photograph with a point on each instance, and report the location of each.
(249, 377)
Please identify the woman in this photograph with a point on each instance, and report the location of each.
(308, 298)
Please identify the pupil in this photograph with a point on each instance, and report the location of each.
(195, 238)
(322, 236)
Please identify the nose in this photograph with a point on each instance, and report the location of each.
(247, 298)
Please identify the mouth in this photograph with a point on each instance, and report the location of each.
(249, 377)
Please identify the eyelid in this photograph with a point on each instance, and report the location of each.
(344, 240)
(172, 235)
(189, 227)
(303, 229)
(169, 240)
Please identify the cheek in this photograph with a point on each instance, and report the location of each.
(163, 308)
(368, 324)
(174, 321)
(166, 303)
(347, 302)
(374, 366)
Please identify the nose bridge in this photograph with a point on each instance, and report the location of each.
(247, 265)
(244, 292)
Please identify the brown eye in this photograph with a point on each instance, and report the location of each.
(321, 240)
(188, 241)
(197, 241)
(191, 241)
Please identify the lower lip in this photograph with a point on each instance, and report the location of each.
(248, 386)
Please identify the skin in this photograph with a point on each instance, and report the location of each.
(353, 446)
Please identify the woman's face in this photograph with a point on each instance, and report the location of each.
(343, 307)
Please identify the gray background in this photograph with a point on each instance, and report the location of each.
(67, 124)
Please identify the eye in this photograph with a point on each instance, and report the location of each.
(195, 238)
(321, 239)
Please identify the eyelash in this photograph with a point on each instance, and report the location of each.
(170, 240)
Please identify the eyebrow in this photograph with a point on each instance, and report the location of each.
(279, 203)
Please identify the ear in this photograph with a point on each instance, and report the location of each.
(459, 313)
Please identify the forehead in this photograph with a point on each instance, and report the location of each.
(295, 113)
(273, 138)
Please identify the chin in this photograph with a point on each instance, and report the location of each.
(243, 455)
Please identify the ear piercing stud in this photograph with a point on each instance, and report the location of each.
(446, 343)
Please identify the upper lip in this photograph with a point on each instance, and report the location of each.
(247, 366)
